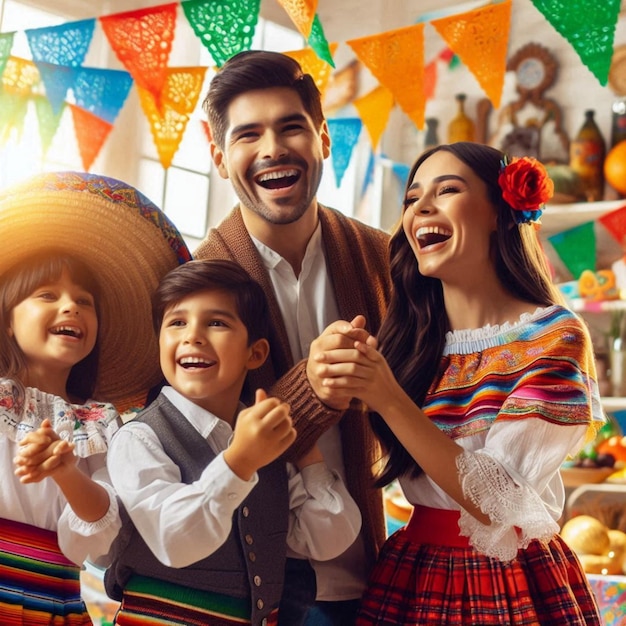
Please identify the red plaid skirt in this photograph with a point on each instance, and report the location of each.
(426, 576)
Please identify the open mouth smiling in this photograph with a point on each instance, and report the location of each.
(278, 179)
(430, 235)
(68, 331)
(190, 362)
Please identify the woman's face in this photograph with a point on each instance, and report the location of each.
(448, 219)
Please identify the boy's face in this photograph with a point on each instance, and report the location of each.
(204, 351)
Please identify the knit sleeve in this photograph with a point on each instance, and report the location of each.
(311, 416)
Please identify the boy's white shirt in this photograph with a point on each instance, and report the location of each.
(184, 523)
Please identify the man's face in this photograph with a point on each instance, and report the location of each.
(273, 154)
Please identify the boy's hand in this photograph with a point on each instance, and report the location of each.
(43, 453)
(262, 433)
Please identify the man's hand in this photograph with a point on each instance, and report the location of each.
(335, 346)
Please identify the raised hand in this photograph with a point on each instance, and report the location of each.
(262, 433)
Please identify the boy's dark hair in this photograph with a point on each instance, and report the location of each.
(20, 282)
(257, 69)
(215, 275)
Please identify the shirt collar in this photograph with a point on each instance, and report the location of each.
(271, 258)
(202, 420)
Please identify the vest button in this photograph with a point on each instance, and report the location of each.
(249, 540)
(257, 581)
(260, 604)
(245, 511)
(252, 556)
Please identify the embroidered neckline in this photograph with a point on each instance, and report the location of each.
(468, 340)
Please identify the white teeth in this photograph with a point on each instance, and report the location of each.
(433, 230)
(192, 360)
(277, 175)
(67, 330)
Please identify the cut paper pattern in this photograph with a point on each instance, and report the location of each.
(20, 76)
(47, 120)
(396, 59)
(344, 134)
(57, 79)
(576, 247)
(225, 27)
(589, 27)
(311, 64)
(480, 38)
(91, 133)
(142, 41)
(6, 43)
(101, 91)
(302, 13)
(168, 122)
(374, 109)
(317, 41)
(64, 44)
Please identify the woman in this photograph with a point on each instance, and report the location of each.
(483, 384)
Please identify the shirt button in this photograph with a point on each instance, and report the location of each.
(249, 540)
(245, 511)
(252, 556)
(257, 581)
(260, 604)
(232, 495)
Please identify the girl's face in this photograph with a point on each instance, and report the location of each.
(448, 220)
(56, 325)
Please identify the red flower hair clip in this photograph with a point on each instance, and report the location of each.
(526, 187)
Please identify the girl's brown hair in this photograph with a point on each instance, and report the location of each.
(21, 281)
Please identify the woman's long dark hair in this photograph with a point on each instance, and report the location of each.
(412, 335)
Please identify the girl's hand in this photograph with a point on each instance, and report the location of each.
(262, 433)
(43, 453)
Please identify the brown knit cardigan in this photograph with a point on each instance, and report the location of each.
(357, 260)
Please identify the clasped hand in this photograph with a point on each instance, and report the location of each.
(344, 363)
(43, 453)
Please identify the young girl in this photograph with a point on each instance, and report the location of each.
(57, 507)
(483, 385)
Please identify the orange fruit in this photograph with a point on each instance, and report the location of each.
(615, 445)
(615, 167)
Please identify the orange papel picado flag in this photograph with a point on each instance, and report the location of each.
(374, 109)
(396, 59)
(480, 38)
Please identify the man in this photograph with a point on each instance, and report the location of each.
(319, 269)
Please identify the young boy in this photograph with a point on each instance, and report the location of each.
(211, 508)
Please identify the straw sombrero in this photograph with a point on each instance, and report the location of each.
(127, 242)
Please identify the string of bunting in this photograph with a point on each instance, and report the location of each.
(142, 41)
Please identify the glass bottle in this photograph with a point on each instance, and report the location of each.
(587, 152)
(431, 138)
(618, 121)
(461, 127)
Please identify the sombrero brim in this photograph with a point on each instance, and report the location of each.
(127, 242)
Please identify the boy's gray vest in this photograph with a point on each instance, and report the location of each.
(250, 564)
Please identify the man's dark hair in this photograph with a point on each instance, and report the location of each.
(257, 69)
